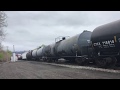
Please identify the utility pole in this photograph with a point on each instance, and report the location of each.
(13, 48)
(13, 53)
(7, 53)
(7, 48)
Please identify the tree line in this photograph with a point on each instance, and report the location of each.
(4, 55)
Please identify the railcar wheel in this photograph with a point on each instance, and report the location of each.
(49, 60)
(56, 61)
(108, 62)
(44, 59)
(82, 61)
(100, 62)
(111, 62)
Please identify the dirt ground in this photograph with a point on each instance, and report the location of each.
(39, 70)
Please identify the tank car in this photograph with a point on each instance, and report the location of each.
(49, 53)
(106, 43)
(34, 54)
(40, 53)
(46, 52)
(75, 48)
(52, 56)
(29, 55)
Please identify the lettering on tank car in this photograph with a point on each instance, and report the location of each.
(105, 44)
(109, 43)
(96, 44)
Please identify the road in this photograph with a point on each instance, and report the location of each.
(40, 70)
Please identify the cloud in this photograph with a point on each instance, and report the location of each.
(30, 29)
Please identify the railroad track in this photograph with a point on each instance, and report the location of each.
(90, 66)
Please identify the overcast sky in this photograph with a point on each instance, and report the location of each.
(30, 29)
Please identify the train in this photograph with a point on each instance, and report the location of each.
(23, 56)
(101, 46)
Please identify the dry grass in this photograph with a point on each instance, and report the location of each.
(5, 56)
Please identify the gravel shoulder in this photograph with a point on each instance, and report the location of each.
(39, 70)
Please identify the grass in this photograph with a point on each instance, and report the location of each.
(5, 55)
(1, 56)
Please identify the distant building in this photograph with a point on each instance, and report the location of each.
(19, 52)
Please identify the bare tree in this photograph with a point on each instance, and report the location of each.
(3, 23)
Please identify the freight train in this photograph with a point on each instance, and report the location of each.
(23, 56)
(102, 46)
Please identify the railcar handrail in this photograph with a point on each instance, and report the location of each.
(99, 54)
(63, 38)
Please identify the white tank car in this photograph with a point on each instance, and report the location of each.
(24, 56)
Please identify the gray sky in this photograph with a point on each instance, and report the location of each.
(30, 29)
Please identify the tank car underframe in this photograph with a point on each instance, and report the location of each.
(106, 61)
(85, 57)
(81, 60)
(50, 59)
